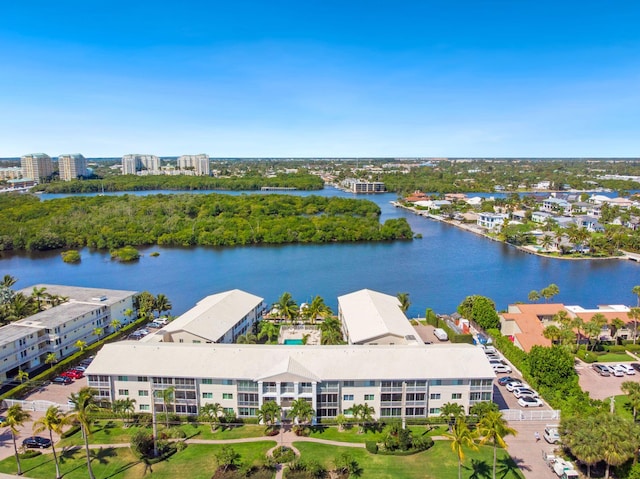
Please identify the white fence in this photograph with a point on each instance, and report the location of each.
(531, 414)
(35, 405)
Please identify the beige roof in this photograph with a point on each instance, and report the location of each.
(214, 315)
(256, 362)
(368, 315)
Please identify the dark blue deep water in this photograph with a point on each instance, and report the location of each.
(438, 270)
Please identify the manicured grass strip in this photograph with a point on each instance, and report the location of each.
(350, 434)
(614, 358)
(107, 431)
(197, 461)
(439, 462)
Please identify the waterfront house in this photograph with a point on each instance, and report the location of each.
(541, 217)
(590, 223)
(555, 205)
(491, 221)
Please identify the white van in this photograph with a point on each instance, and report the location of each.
(441, 334)
(551, 434)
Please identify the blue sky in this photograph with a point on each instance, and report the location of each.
(321, 78)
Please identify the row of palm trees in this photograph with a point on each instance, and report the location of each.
(54, 421)
(15, 306)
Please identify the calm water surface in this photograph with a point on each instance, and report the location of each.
(438, 270)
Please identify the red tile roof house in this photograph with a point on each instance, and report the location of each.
(525, 323)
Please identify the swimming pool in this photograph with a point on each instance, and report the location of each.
(293, 341)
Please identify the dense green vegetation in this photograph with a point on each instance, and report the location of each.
(71, 256)
(185, 220)
(300, 181)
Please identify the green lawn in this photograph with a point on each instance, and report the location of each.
(614, 358)
(113, 432)
(623, 407)
(351, 434)
(197, 461)
(438, 462)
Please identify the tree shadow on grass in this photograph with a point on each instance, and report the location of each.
(480, 469)
(510, 467)
(120, 470)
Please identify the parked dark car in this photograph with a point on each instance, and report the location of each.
(636, 366)
(37, 441)
(504, 380)
(64, 380)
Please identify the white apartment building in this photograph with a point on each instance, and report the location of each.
(373, 318)
(361, 186)
(25, 344)
(10, 173)
(397, 381)
(72, 166)
(198, 163)
(131, 164)
(219, 318)
(36, 166)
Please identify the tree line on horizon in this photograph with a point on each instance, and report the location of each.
(109, 222)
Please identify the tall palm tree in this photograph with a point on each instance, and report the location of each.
(451, 411)
(80, 344)
(534, 296)
(167, 396)
(635, 290)
(124, 408)
(632, 390)
(461, 437)
(269, 412)
(247, 338)
(287, 307)
(363, 414)
(15, 418)
(38, 294)
(8, 281)
(493, 428)
(163, 304)
(317, 308)
(302, 410)
(115, 324)
(268, 330)
(405, 302)
(83, 404)
(52, 421)
(22, 376)
(634, 314)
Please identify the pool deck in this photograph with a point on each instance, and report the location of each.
(296, 333)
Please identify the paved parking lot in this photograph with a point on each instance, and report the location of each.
(51, 392)
(600, 387)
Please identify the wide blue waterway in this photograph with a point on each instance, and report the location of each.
(438, 270)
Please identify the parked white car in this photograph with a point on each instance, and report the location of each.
(616, 370)
(627, 369)
(520, 392)
(501, 368)
(530, 401)
(516, 384)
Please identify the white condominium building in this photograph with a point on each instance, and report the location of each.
(397, 381)
(131, 164)
(198, 163)
(36, 166)
(72, 167)
(10, 173)
(25, 344)
(219, 318)
(372, 318)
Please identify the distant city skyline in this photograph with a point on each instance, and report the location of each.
(321, 79)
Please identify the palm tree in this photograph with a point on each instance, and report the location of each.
(8, 281)
(115, 324)
(124, 408)
(493, 428)
(162, 304)
(268, 413)
(51, 359)
(534, 296)
(211, 414)
(546, 241)
(461, 437)
(317, 308)
(80, 344)
(302, 411)
(451, 411)
(287, 307)
(363, 414)
(552, 333)
(83, 404)
(635, 290)
(405, 303)
(97, 332)
(595, 325)
(15, 418)
(52, 421)
(167, 396)
(549, 292)
(615, 325)
(268, 330)
(632, 390)
(22, 376)
(129, 313)
(331, 331)
(634, 314)
(38, 294)
(247, 338)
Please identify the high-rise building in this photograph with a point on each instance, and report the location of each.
(36, 166)
(198, 163)
(72, 166)
(131, 164)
